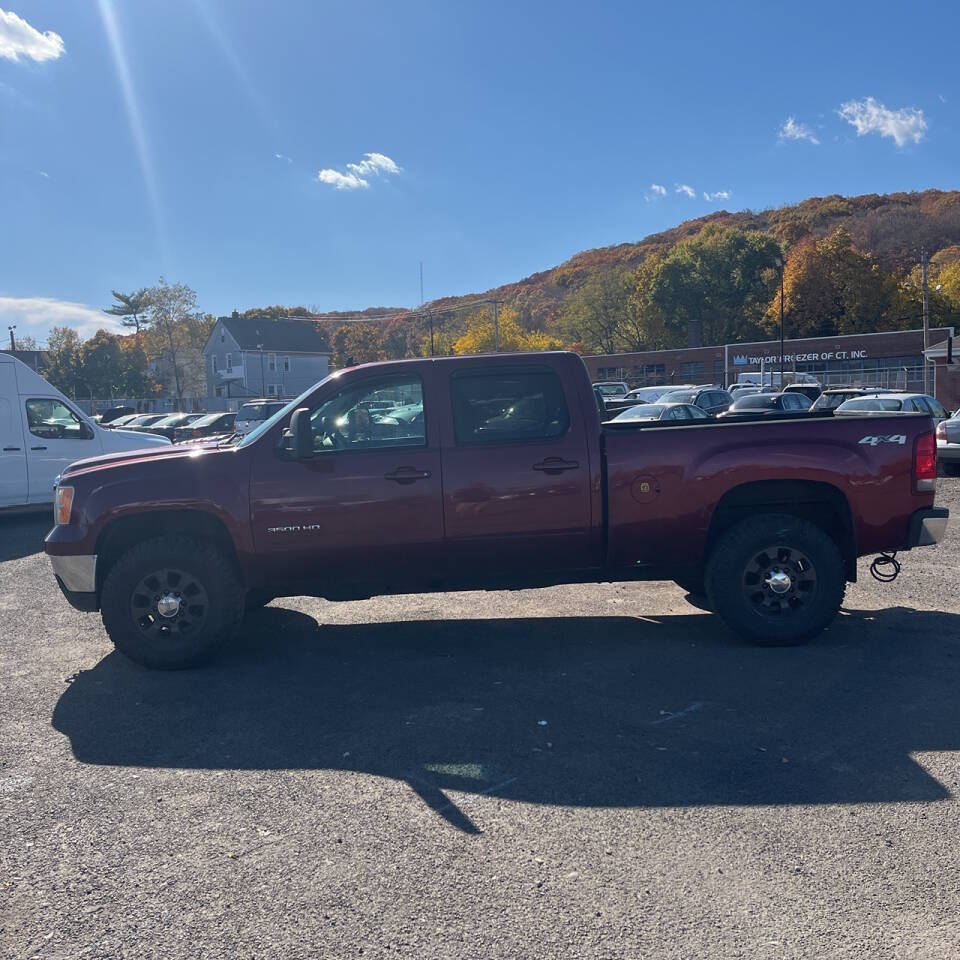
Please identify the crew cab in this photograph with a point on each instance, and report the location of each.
(499, 475)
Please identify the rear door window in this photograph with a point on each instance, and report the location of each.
(507, 407)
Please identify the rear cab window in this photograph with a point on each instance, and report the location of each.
(506, 407)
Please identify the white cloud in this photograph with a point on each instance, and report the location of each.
(44, 174)
(868, 116)
(717, 195)
(792, 130)
(658, 189)
(34, 316)
(686, 189)
(18, 39)
(342, 181)
(373, 165)
(284, 157)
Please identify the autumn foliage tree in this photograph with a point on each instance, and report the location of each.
(479, 336)
(830, 287)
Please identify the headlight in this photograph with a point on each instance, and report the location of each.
(64, 504)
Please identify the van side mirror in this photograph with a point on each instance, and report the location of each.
(298, 437)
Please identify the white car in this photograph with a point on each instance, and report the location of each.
(42, 433)
(254, 412)
(948, 445)
(880, 403)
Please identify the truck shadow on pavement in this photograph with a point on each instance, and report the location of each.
(600, 711)
(21, 535)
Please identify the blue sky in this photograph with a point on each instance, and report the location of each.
(211, 140)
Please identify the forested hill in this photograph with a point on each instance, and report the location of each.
(891, 227)
(851, 265)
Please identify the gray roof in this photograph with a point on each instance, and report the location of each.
(294, 335)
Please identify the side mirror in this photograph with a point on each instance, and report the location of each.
(298, 437)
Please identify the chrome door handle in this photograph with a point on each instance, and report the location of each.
(38, 448)
(556, 465)
(407, 475)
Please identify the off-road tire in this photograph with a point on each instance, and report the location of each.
(741, 594)
(125, 605)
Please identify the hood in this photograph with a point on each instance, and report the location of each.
(164, 452)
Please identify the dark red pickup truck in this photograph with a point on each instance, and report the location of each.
(489, 472)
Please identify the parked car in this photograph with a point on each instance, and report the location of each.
(948, 444)
(143, 420)
(809, 390)
(509, 481)
(832, 397)
(662, 411)
(168, 426)
(206, 426)
(113, 414)
(254, 412)
(120, 421)
(652, 394)
(42, 433)
(612, 388)
(711, 400)
(766, 404)
(887, 403)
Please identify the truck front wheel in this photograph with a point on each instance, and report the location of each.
(776, 580)
(171, 602)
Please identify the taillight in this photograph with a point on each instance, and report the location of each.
(941, 431)
(925, 463)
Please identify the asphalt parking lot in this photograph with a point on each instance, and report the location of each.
(579, 772)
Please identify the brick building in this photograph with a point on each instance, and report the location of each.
(891, 360)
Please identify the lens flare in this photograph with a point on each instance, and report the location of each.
(112, 30)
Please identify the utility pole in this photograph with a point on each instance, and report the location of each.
(496, 328)
(431, 334)
(421, 283)
(13, 345)
(782, 269)
(926, 319)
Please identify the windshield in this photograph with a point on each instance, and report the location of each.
(830, 401)
(255, 435)
(258, 411)
(756, 401)
(648, 411)
(872, 403)
(680, 396)
(612, 389)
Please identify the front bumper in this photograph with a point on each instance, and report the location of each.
(927, 527)
(77, 579)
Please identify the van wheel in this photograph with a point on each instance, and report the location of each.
(776, 580)
(171, 603)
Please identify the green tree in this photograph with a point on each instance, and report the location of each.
(176, 334)
(593, 317)
(718, 283)
(101, 369)
(25, 343)
(130, 307)
(63, 359)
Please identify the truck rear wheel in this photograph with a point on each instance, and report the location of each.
(776, 580)
(171, 602)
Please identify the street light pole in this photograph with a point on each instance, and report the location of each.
(13, 344)
(780, 262)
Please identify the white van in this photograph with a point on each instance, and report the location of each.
(42, 432)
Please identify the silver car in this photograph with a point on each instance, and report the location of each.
(880, 403)
(948, 445)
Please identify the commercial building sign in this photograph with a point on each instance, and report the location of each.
(744, 360)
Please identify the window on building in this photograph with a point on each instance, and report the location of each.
(213, 363)
(271, 389)
(229, 360)
(271, 362)
(286, 364)
(691, 372)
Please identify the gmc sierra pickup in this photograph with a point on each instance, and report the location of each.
(491, 472)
